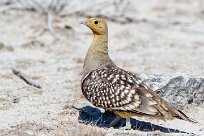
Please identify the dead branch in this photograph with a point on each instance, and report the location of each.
(25, 78)
(117, 19)
(49, 20)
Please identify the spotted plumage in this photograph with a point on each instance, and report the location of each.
(112, 88)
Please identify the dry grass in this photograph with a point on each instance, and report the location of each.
(42, 6)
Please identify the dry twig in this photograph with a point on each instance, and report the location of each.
(25, 78)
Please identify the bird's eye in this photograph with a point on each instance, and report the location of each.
(95, 22)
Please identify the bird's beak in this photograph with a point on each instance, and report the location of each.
(83, 22)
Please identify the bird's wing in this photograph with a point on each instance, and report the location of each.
(116, 89)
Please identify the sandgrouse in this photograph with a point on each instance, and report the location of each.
(114, 89)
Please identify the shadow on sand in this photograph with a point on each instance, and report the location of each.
(91, 115)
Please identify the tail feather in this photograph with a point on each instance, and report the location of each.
(175, 112)
(186, 117)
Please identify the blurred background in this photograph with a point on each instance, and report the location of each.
(44, 40)
(161, 36)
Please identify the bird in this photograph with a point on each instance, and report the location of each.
(107, 86)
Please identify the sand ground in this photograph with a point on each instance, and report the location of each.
(164, 37)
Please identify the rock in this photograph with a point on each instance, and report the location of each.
(179, 89)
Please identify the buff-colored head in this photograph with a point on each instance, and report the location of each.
(97, 25)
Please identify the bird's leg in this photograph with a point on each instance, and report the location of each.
(116, 119)
(128, 124)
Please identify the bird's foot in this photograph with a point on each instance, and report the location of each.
(127, 126)
(112, 124)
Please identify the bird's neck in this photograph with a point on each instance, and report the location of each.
(97, 55)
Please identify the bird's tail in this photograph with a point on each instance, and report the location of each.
(185, 117)
(175, 112)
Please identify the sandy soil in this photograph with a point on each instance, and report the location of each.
(163, 38)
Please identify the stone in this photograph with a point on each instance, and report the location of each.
(180, 89)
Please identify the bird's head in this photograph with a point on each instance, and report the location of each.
(97, 25)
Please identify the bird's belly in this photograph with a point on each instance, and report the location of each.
(124, 114)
